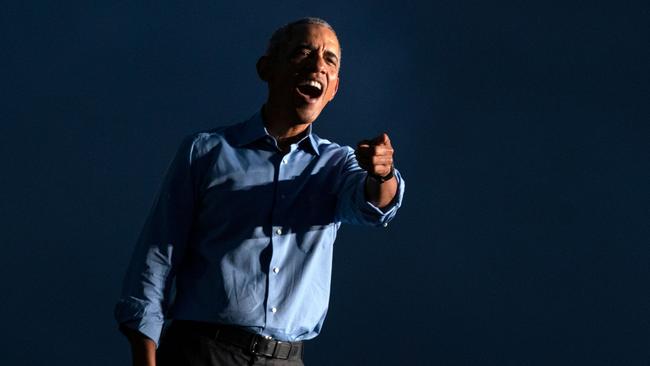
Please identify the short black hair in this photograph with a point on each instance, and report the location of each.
(281, 37)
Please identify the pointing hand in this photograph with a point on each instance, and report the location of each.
(376, 155)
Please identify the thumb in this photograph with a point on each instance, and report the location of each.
(381, 139)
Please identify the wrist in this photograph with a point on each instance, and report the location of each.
(384, 178)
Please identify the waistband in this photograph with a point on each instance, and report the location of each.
(250, 342)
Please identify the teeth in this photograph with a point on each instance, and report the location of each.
(313, 83)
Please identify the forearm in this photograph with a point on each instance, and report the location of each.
(380, 194)
(143, 349)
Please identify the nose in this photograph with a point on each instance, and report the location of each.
(317, 63)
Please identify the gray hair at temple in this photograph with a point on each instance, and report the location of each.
(282, 35)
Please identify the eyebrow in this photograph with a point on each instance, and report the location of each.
(309, 46)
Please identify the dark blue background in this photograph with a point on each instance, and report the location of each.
(521, 127)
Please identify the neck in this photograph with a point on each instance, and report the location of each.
(281, 126)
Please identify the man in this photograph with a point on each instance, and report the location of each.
(246, 219)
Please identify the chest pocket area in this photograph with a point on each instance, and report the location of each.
(316, 209)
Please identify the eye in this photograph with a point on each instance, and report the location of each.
(331, 58)
(302, 51)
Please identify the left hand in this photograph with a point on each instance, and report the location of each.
(376, 155)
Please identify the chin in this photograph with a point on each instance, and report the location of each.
(307, 116)
(308, 113)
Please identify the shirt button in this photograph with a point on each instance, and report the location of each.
(276, 270)
(284, 161)
(278, 231)
(274, 310)
(385, 224)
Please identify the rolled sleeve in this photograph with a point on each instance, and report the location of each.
(134, 314)
(353, 207)
(146, 290)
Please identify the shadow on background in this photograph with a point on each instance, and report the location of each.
(522, 130)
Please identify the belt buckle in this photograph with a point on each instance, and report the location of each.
(255, 341)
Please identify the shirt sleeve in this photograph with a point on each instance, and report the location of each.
(352, 206)
(147, 285)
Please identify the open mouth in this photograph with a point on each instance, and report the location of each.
(311, 89)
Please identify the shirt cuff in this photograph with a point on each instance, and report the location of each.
(381, 216)
(133, 314)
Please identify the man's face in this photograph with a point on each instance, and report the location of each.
(303, 77)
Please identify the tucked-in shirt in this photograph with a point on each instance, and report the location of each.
(242, 234)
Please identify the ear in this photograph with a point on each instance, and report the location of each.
(263, 68)
(336, 88)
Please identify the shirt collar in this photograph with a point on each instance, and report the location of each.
(253, 129)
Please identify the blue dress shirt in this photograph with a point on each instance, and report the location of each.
(246, 233)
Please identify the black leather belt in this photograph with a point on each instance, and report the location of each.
(250, 342)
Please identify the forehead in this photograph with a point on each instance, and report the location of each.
(315, 35)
